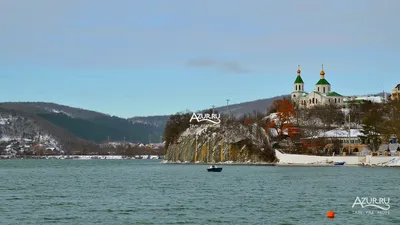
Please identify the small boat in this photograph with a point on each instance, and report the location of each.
(214, 169)
(339, 163)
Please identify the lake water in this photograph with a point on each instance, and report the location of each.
(147, 192)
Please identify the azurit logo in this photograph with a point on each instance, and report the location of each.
(212, 118)
(370, 204)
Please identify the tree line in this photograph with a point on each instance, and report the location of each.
(377, 121)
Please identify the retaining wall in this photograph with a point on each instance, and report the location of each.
(313, 159)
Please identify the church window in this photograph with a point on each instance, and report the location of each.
(324, 89)
(339, 100)
(310, 101)
(318, 88)
(294, 96)
(313, 100)
(316, 101)
(329, 100)
(335, 100)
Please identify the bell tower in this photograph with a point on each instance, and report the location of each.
(298, 87)
(298, 83)
(323, 86)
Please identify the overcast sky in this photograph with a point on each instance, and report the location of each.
(131, 58)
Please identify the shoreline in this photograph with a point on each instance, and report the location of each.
(277, 164)
(316, 165)
(313, 160)
(262, 164)
(82, 157)
(227, 164)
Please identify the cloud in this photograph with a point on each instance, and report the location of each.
(131, 34)
(229, 66)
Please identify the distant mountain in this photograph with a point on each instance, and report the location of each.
(237, 110)
(157, 121)
(70, 126)
(85, 124)
(240, 109)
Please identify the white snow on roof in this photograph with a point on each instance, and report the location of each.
(376, 99)
(341, 133)
(274, 133)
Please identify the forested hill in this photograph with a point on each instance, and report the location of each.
(72, 125)
(98, 127)
(237, 110)
(85, 124)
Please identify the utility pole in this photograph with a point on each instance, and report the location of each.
(124, 146)
(227, 108)
(349, 131)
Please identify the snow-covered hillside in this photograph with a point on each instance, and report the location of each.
(21, 134)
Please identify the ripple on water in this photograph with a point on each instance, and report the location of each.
(142, 192)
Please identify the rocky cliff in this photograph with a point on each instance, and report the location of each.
(222, 143)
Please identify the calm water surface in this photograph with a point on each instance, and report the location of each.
(147, 192)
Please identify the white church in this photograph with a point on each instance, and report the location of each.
(322, 94)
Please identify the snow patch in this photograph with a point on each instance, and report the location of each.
(374, 99)
(198, 130)
(392, 163)
(5, 138)
(58, 112)
(340, 133)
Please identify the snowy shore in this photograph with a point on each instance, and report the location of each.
(313, 160)
(84, 157)
(220, 163)
(392, 163)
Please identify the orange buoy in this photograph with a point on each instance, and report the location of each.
(330, 214)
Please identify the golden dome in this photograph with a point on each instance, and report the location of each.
(322, 71)
(298, 71)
